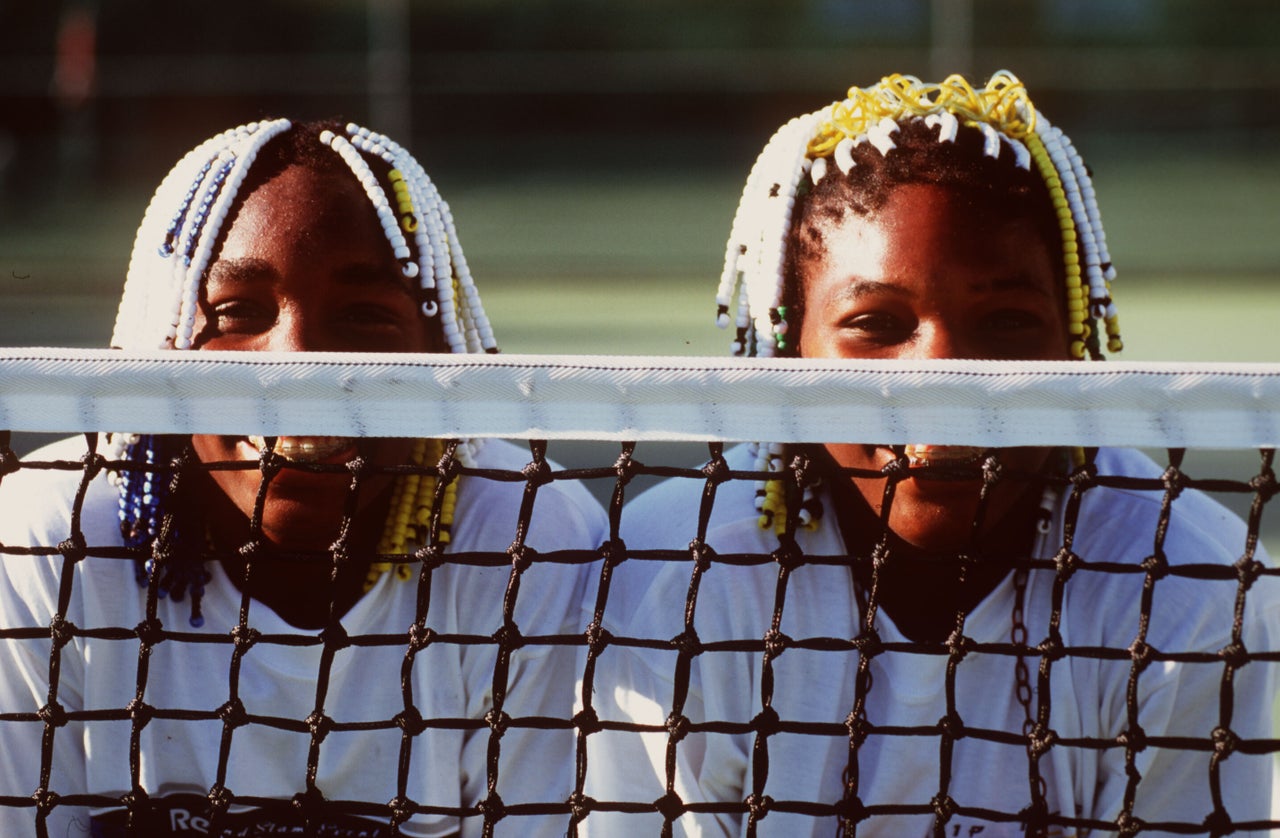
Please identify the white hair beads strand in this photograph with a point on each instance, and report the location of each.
(464, 321)
(223, 195)
(184, 221)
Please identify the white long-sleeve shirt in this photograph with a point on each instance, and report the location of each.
(1087, 697)
(450, 684)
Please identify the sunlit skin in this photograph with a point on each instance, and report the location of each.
(930, 275)
(305, 267)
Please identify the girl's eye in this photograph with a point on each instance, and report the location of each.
(1012, 320)
(878, 326)
(234, 315)
(370, 315)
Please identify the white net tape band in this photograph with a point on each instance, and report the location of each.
(642, 398)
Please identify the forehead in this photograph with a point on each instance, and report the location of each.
(327, 213)
(936, 238)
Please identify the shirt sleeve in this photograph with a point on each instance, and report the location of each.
(1204, 704)
(36, 515)
(634, 698)
(529, 744)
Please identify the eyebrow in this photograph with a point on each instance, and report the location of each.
(240, 271)
(252, 271)
(1018, 282)
(363, 274)
(857, 287)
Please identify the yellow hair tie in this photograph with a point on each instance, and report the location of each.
(1003, 104)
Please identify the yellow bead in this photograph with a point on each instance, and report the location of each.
(1077, 349)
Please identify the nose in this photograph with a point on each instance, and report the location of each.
(293, 331)
(937, 339)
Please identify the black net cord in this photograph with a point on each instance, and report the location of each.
(163, 550)
(430, 557)
(319, 724)
(688, 646)
(62, 632)
(612, 553)
(1046, 649)
(233, 712)
(537, 474)
(868, 646)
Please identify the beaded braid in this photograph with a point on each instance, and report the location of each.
(753, 279)
(174, 245)
(412, 506)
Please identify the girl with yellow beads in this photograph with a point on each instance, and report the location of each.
(941, 640)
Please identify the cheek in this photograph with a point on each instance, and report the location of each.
(212, 449)
(863, 457)
(388, 451)
(811, 341)
(432, 335)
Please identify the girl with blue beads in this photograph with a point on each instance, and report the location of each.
(240, 652)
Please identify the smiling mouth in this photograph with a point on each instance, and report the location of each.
(306, 449)
(930, 456)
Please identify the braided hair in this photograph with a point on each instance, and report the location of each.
(990, 143)
(175, 243)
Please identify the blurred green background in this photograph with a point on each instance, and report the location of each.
(593, 150)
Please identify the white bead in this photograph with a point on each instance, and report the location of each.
(991, 144)
(844, 155)
(881, 135)
(948, 125)
(1020, 152)
(818, 170)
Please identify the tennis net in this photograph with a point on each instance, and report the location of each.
(655, 666)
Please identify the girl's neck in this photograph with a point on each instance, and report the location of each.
(926, 593)
(307, 583)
